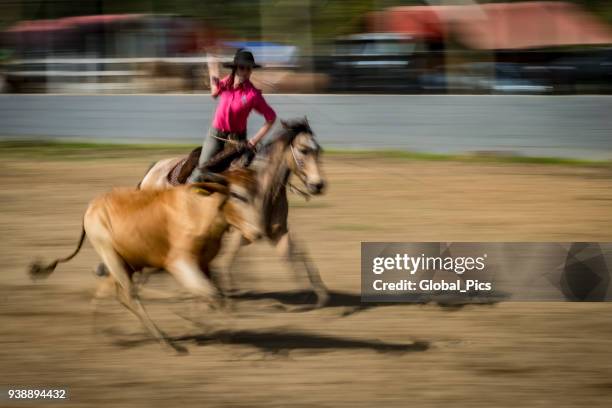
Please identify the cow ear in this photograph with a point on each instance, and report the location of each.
(207, 188)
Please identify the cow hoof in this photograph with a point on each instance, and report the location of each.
(173, 348)
(101, 270)
(179, 350)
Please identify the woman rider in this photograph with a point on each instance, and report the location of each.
(237, 97)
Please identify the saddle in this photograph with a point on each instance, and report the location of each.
(181, 171)
(217, 164)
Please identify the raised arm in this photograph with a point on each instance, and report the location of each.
(213, 72)
(263, 131)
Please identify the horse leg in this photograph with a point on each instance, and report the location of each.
(225, 280)
(297, 256)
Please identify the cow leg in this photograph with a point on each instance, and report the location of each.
(139, 279)
(188, 273)
(104, 289)
(128, 296)
(298, 258)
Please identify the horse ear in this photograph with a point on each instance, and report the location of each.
(306, 121)
(285, 124)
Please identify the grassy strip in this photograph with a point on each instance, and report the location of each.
(87, 150)
(471, 158)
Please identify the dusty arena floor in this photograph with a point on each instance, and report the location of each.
(258, 355)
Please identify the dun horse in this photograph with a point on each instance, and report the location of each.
(293, 150)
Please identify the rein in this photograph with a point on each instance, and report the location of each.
(298, 163)
(295, 190)
(226, 140)
(299, 167)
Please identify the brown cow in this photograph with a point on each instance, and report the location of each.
(177, 229)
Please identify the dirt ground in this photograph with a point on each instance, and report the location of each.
(504, 355)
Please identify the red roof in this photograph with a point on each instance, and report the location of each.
(36, 26)
(497, 25)
(419, 21)
(31, 26)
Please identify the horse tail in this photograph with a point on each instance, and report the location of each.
(40, 271)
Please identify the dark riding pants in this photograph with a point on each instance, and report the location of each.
(213, 144)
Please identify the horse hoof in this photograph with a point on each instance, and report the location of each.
(234, 292)
(322, 300)
(299, 309)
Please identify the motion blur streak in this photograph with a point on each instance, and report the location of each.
(443, 353)
(514, 146)
(530, 47)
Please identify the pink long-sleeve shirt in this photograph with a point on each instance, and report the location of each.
(235, 105)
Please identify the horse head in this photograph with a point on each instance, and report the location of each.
(302, 154)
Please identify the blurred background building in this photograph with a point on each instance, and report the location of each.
(364, 46)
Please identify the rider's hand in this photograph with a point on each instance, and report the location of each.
(213, 65)
(251, 144)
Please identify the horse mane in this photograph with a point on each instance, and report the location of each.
(287, 133)
(281, 140)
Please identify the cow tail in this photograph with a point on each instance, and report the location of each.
(40, 271)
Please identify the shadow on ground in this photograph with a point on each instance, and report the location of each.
(353, 303)
(282, 342)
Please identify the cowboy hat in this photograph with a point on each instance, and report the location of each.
(242, 57)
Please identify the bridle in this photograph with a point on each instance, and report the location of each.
(299, 163)
(227, 140)
(300, 166)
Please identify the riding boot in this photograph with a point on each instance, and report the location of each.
(195, 176)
